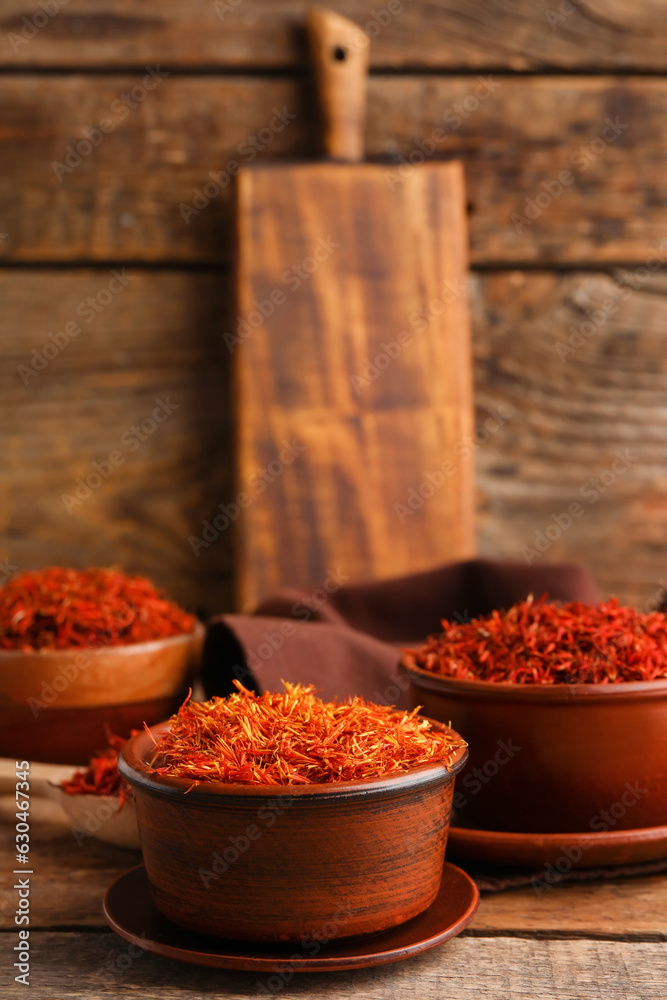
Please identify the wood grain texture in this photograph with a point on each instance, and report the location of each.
(496, 958)
(157, 339)
(446, 34)
(121, 198)
(560, 423)
(356, 386)
(82, 966)
(589, 429)
(74, 875)
(157, 187)
(631, 908)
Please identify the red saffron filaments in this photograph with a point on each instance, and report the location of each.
(294, 737)
(101, 777)
(539, 643)
(62, 608)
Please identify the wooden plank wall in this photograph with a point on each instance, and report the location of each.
(114, 116)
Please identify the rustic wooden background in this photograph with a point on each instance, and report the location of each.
(564, 148)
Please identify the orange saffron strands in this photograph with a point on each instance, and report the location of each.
(293, 737)
(539, 643)
(101, 777)
(59, 608)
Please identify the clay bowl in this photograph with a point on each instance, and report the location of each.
(566, 758)
(54, 705)
(291, 862)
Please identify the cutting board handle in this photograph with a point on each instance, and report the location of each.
(340, 51)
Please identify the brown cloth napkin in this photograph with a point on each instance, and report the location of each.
(346, 638)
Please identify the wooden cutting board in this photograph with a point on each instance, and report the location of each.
(352, 355)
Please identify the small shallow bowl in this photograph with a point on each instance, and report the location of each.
(562, 758)
(54, 705)
(291, 862)
(99, 816)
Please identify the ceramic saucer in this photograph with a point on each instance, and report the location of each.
(131, 913)
(582, 850)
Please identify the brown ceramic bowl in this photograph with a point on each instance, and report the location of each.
(54, 705)
(563, 758)
(291, 862)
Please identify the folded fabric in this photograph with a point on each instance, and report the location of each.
(346, 639)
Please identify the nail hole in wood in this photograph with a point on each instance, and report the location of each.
(340, 54)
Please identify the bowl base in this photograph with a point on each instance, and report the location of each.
(130, 911)
(570, 850)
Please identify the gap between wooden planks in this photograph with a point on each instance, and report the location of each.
(549, 179)
(84, 966)
(446, 34)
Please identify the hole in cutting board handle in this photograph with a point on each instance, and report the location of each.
(340, 54)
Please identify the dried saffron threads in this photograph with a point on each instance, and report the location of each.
(539, 643)
(282, 738)
(101, 777)
(62, 608)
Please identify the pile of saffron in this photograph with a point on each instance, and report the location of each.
(293, 737)
(101, 777)
(535, 642)
(60, 608)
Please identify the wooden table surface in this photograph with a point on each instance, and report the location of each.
(592, 941)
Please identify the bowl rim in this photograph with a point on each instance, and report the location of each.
(119, 649)
(506, 691)
(136, 771)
